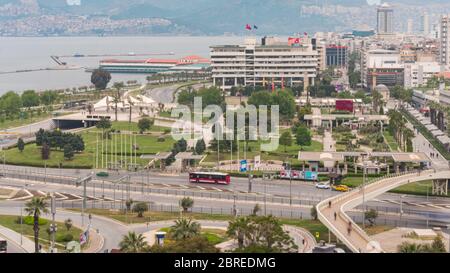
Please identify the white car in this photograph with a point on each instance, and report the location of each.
(323, 186)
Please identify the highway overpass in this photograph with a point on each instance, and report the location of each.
(357, 240)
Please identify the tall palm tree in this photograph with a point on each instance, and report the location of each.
(184, 229)
(408, 134)
(36, 207)
(131, 109)
(133, 243)
(117, 97)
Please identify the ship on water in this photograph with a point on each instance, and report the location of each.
(154, 65)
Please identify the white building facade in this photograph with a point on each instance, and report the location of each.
(270, 63)
(417, 74)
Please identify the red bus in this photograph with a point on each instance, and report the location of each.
(210, 178)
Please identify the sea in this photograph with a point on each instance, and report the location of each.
(31, 53)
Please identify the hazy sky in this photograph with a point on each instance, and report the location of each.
(373, 2)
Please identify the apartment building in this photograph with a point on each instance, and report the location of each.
(444, 53)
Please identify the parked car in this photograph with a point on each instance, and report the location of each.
(323, 186)
(102, 174)
(341, 188)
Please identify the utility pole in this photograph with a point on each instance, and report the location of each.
(290, 182)
(364, 191)
(249, 179)
(401, 208)
(234, 205)
(53, 227)
(78, 183)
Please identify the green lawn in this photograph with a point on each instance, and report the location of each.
(214, 236)
(312, 226)
(147, 144)
(413, 188)
(6, 124)
(391, 141)
(11, 223)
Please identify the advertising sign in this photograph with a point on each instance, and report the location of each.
(311, 176)
(299, 175)
(243, 166)
(344, 105)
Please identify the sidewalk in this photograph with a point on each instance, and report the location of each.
(27, 245)
(96, 242)
(329, 145)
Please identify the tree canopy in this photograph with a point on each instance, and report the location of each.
(100, 78)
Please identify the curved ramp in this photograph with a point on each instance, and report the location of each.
(357, 240)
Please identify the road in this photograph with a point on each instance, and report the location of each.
(167, 191)
(166, 94)
(110, 230)
(277, 190)
(13, 247)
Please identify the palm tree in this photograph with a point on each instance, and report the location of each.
(186, 203)
(406, 247)
(239, 229)
(36, 207)
(408, 134)
(131, 109)
(117, 97)
(184, 229)
(133, 243)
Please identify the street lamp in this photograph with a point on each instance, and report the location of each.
(363, 190)
(290, 182)
(21, 215)
(401, 207)
(448, 227)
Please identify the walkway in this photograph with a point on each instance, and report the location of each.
(14, 237)
(329, 144)
(357, 240)
(110, 232)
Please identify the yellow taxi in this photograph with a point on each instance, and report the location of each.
(341, 188)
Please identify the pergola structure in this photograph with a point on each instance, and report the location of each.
(332, 160)
(159, 156)
(186, 157)
(334, 120)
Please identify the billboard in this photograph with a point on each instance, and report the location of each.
(299, 175)
(344, 105)
(243, 166)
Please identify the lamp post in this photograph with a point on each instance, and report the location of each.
(21, 215)
(53, 227)
(290, 182)
(401, 207)
(234, 205)
(363, 191)
(448, 227)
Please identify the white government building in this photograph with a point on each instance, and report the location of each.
(271, 62)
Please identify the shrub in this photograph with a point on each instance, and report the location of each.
(64, 238)
(161, 139)
(29, 220)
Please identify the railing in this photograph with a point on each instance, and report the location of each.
(141, 187)
(347, 205)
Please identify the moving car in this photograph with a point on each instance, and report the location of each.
(323, 186)
(3, 245)
(341, 188)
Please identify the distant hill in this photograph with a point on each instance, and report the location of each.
(212, 17)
